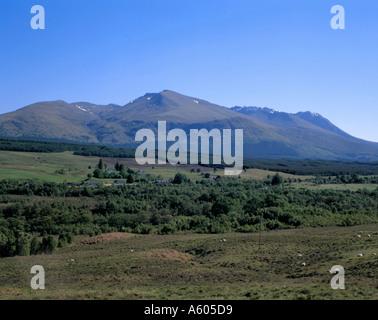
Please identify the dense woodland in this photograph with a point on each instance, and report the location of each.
(78, 149)
(314, 166)
(145, 206)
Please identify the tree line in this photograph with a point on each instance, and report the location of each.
(78, 149)
(202, 206)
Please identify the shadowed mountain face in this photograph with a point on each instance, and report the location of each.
(267, 133)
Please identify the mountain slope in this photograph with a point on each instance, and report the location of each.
(53, 120)
(48, 120)
(178, 111)
(267, 133)
(321, 122)
(314, 135)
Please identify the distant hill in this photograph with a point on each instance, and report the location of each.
(267, 133)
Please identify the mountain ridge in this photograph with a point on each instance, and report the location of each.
(267, 133)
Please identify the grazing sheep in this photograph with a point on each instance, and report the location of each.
(374, 254)
(360, 255)
(299, 255)
(368, 235)
(303, 264)
(358, 236)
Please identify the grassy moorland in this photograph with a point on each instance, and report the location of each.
(44, 166)
(65, 166)
(48, 167)
(193, 266)
(193, 237)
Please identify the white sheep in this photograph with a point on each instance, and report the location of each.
(360, 255)
(368, 235)
(303, 264)
(299, 255)
(358, 236)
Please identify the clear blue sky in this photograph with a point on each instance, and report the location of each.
(278, 54)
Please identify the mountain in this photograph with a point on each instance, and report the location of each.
(284, 119)
(321, 122)
(179, 111)
(314, 135)
(53, 120)
(267, 133)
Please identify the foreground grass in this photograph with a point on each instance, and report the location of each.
(193, 266)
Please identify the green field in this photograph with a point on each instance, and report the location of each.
(350, 187)
(43, 166)
(192, 266)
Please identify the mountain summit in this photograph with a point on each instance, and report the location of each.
(267, 133)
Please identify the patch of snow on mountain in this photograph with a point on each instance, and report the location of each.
(81, 108)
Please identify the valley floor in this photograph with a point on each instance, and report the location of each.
(203, 266)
